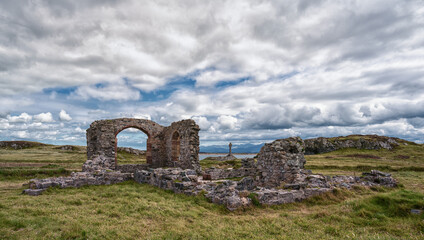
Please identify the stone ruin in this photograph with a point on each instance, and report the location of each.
(173, 146)
(276, 176)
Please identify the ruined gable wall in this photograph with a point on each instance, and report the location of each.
(188, 132)
(281, 160)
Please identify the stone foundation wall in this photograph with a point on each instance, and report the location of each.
(234, 194)
(187, 182)
(216, 173)
(175, 179)
(77, 179)
(132, 168)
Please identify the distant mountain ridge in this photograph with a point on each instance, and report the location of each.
(236, 148)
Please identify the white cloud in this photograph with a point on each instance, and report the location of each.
(63, 116)
(4, 124)
(20, 134)
(147, 82)
(227, 122)
(37, 126)
(118, 90)
(203, 122)
(141, 116)
(43, 117)
(23, 117)
(79, 130)
(87, 43)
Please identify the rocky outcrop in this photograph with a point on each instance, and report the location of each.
(373, 178)
(369, 142)
(19, 144)
(68, 148)
(280, 196)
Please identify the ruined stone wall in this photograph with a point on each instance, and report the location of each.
(281, 160)
(188, 132)
(216, 173)
(132, 168)
(77, 179)
(101, 139)
(102, 144)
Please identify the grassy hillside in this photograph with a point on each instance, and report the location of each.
(128, 158)
(405, 162)
(129, 210)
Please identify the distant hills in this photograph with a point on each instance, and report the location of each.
(236, 148)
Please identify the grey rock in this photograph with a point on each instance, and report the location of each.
(246, 183)
(416, 211)
(33, 192)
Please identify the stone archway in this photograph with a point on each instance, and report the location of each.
(148, 145)
(176, 144)
(101, 139)
(102, 144)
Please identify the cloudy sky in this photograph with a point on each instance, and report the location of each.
(247, 71)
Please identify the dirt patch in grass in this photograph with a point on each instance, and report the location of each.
(402, 157)
(369, 156)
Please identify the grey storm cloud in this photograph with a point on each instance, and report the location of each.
(288, 67)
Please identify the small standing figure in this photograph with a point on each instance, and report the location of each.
(230, 145)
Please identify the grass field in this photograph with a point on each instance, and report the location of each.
(130, 211)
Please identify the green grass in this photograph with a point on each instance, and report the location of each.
(128, 158)
(32, 173)
(133, 211)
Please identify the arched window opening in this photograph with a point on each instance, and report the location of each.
(132, 147)
(175, 154)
